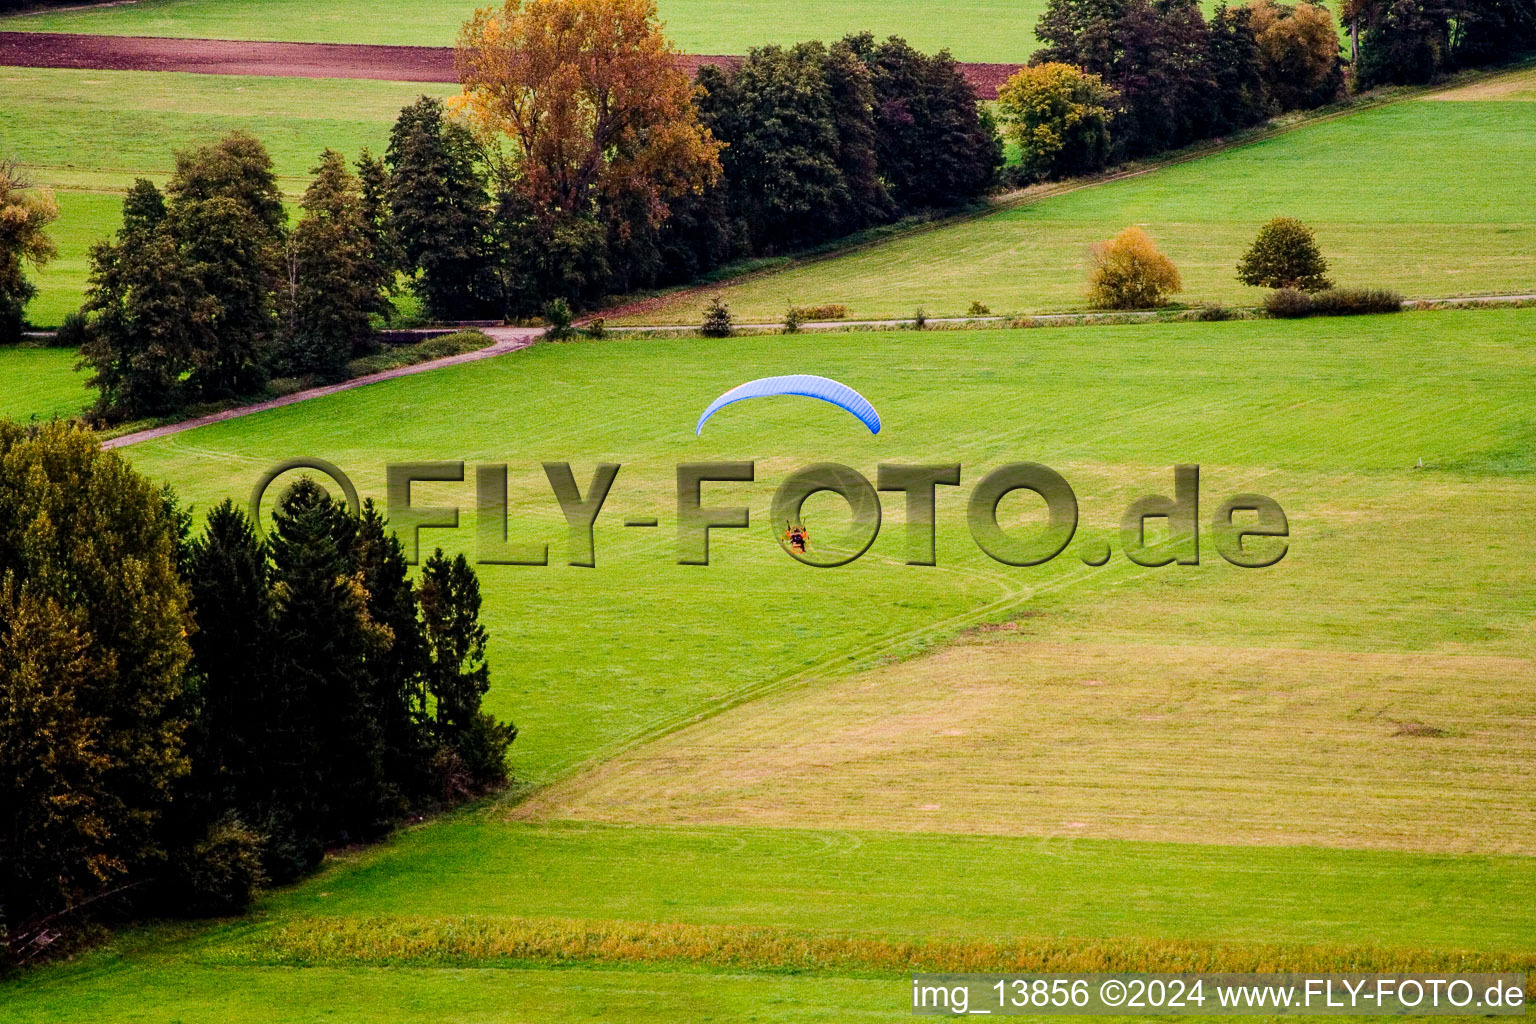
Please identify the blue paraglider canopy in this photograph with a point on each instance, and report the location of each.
(806, 384)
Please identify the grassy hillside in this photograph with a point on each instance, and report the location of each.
(1226, 694)
(991, 30)
(1421, 196)
(1114, 408)
(88, 134)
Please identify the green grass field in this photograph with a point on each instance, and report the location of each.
(995, 30)
(1422, 196)
(41, 383)
(1406, 599)
(88, 134)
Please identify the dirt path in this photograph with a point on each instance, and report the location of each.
(506, 339)
(301, 60)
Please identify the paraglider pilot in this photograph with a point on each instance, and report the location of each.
(796, 537)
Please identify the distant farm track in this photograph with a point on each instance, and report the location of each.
(300, 60)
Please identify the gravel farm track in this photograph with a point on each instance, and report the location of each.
(300, 60)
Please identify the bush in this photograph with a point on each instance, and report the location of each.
(920, 318)
(1130, 273)
(74, 331)
(1288, 303)
(717, 319)
(557, 320)
(596, 329)
(792, 321)
(979, 309)
(311, 352)
(483, 746)
(830, 311)
(1356, 301)
(1215, 313)
(219, 876)
(450, 776)
(1284, 255)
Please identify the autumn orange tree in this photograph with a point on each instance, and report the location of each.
(591, 97)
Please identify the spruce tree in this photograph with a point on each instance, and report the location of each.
(325, 638)
(439, 211)
(233, 662)
(335, 281)
(457, 676)
(395, 681)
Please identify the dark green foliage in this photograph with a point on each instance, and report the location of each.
(717, 319)
(373, 190)
(396, 690)
(1237, 94)
(548, 254)
(325, 641)
(1407, 41)
(226, 215)
(93, 626)
(74, 331)
(1288, 303)
(936, 146)
(181, 305)
(792, 320)
(149, 315)
(220, 873)
(1356, 301)
(776, 115)
(336, 278)
(241, 699)
(439, 211)
(1178, 78)
(457, 675)
(557, 320)
(1284, 255)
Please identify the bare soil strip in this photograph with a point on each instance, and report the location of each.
(300, 60)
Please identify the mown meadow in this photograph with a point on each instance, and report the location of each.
(88, 134)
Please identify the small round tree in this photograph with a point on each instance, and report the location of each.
(1285, 255)
(717, 319)
(1129, 273)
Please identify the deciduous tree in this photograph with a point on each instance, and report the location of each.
(93, 645)
(25, 213)
(1059, 116)
(1284, 255)
(1298, 54)
(589, 95)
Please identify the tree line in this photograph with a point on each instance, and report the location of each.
(185, 717)
(1124, 79)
